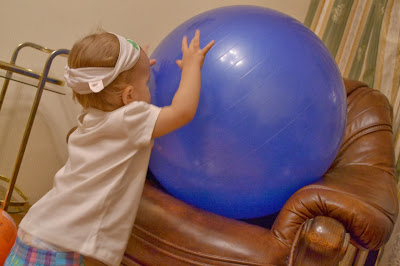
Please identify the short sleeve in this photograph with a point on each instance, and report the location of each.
(139, 120)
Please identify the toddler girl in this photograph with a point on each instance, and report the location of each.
(90, 211)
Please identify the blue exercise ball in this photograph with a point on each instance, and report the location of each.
(271, 115)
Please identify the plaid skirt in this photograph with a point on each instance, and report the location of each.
(22, 254)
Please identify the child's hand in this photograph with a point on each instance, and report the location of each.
(152, 62)
(146, 49)
(186, 99)
(193, 54)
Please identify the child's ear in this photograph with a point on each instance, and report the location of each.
(127, 95)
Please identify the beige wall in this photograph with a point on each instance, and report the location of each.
(57, 24)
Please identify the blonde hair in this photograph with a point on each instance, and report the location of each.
(100, 49)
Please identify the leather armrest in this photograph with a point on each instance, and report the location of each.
(319, 241)
(359, 190)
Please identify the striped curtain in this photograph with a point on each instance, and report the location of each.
(364, 38)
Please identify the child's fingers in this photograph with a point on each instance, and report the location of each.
(152, 62)
(179, 63)
(196, 40)
(184, 43)
(208, 47)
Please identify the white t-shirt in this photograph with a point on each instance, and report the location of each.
(92, 207)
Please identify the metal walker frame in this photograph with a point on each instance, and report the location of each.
(42, 79)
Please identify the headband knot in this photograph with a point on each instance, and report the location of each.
(87, 80)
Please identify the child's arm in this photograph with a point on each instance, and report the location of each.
(185, 101)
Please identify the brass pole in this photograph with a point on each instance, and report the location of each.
(28, 127)
(13, 60)
(8, 75)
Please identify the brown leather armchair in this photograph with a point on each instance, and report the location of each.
(355, 202)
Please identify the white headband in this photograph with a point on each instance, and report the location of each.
(93, 79)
